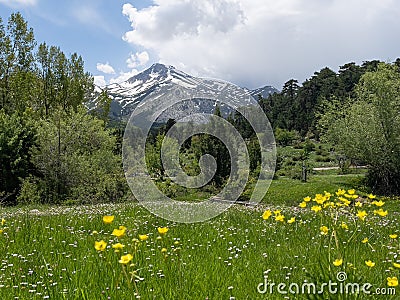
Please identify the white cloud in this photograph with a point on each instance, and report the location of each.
(105, 68)
(137, 60)
(18, 3)
(124, 76)
(99, 81)
(257, 42)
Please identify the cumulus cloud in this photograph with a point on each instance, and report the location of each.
(99, 81)
(105, 68)
(124, 76)
(18, 3)
(137, 60)
(258, 42)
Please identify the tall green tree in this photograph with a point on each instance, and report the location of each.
(74, 155)
(17, 136)
(16, 64)
(62, 81)
(368, 128)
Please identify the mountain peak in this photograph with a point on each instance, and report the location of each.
(160, 66)
(157, 70)
(128, 94)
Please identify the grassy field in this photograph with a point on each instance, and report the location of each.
(288, 191)
(49, 252)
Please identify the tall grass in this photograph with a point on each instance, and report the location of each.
(50, 253)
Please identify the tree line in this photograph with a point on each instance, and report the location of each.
(298, 106)
(51, 149)
(357, 110)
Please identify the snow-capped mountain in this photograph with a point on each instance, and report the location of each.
(264, 91)
(127, 95)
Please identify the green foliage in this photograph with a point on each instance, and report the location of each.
(74, 156)
(103, 107)
(42, 80)
(284, 137)
(207, 144)
(254, 150)
(30, 192)
(368, 129)
(62, 81)
(297, 107)
(17, 135)
(308, 146)
(33, 88)
(16, 63)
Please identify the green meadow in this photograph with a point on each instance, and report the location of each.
(70, 252)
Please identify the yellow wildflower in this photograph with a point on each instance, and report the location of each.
(362, 215)
(370, 196)
(307, 199)
(280, 218)
(303, 204)
(100, 246)
(340, 192)
(392, 281)
(266, 214)
(324, 230)
(381, 212)
(163, 250)
(364, 241)
(291, 220)
(320, 199)
(119, 232)
(329, 204)
(108, 219)
(162, 230)
(143, 237)
(370, 263)
(393, 236)
(396, 265)
(346, 202)
(358, 204)
(3, 221)
(125, 259)
(118, 247)
(351, 192)
(379, 203)
(316, 208)
(344, 226)
(277, 212)
(338, 262)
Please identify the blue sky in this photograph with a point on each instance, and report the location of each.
(248, 42)
(93, 28)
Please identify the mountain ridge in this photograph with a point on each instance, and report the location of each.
(129, 93)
